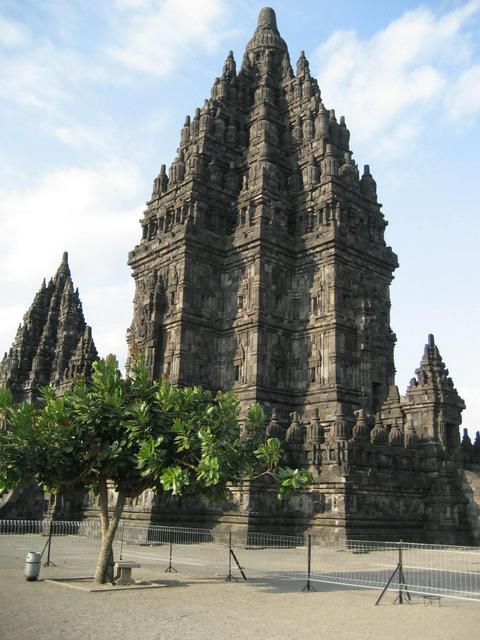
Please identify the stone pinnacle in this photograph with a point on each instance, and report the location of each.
(64, 267)
(267, 18)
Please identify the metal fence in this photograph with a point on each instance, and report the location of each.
(430, 570)
(407, 568)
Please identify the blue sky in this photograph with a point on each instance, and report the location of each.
(94, 96)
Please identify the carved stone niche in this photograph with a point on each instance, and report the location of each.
(239, 362)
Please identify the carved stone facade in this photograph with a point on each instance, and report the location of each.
(263, 269)
(262, 266)
(53, 345)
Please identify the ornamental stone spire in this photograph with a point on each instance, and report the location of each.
(53, 345)
(262, 265)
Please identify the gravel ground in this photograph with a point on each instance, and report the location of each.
(199, 604)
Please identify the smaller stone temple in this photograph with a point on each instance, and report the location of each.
(53, 345)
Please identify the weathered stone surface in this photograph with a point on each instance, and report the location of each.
(53, 345)
(263, 269)
(472, 490)
(262, 266)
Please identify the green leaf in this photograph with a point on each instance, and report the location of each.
(270, 452)
(290, 480)
(6, 399)
(174, 479)
(3, 485)
(209, 470)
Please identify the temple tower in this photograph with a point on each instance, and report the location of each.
(262, 266)
(53, 345)
(433, 402)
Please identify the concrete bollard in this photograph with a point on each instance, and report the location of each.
(32, 565)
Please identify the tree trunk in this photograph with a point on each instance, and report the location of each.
(103, 503)
(104, 523)
(104, 569)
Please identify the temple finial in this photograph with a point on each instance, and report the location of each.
(267, 18)
(230, 67)
(64, 267)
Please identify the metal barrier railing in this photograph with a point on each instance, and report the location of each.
(157, 535)
(429, 570)
(443, 570)
(56, 527)
(283, 556)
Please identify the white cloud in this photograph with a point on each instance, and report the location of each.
(12, 34)
(83, 210)
(80, 137)
(48, 78)
(389, 84)
(93, 214)
(31, 78)
(400, 138)
(53, 80)
(10, 318)
(109, 310)
(9, 174)
(464, 95)
(133, 4)
(159, 34)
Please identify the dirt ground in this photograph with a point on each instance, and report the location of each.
(193, 605)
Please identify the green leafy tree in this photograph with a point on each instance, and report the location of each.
(135, 434)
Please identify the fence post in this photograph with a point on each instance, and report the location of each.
(231, 554)
(48, 562)
(402, 585)
(170, 568)
(121, 540)
(400, 574)
(398, 571)
(308, 586)
(229, 577)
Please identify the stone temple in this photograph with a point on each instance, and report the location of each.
(53, 345)
(262, 268)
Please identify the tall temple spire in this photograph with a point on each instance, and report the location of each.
(263, 171)
(53, 345)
